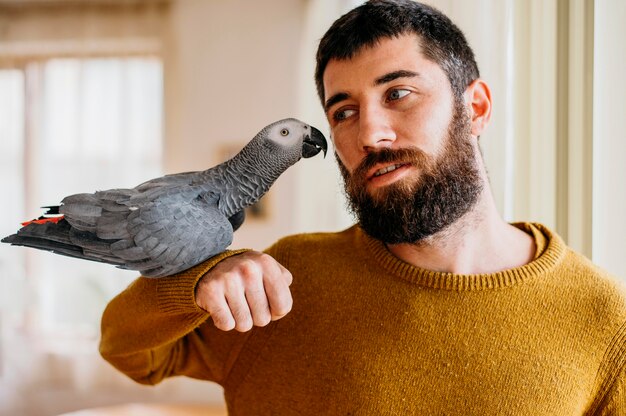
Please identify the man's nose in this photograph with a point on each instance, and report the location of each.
(375, 130)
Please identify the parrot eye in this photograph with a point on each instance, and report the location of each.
(284, 132)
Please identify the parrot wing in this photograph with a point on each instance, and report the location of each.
(172, 180)
(169, 238)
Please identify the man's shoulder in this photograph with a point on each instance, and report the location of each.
(605, 291)
(582, 266)
(573, 270)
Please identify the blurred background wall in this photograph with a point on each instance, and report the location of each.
(97, 94)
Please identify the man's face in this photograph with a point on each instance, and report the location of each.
(403, 143)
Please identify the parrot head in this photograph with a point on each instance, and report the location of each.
(294, 134)
(280, 145)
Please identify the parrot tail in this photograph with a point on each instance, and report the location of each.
(51, 234)
(55, 234)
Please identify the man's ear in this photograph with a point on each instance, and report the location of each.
(478, 99)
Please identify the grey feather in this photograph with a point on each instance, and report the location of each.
(169, 224)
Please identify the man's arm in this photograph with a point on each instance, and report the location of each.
(156, 328)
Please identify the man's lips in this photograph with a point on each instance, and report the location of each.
(379, 171)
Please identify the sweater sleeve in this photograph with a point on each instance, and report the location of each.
(154, 329)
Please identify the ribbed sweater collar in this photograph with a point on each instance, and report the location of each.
(546, 262)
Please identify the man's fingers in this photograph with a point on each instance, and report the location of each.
(259, 307)
(218, 309)
(252, 279)
(278, 293)
(276, 281)
(286, 274)
(236, 298)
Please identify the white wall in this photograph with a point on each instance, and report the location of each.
(321, 206)
(609, 137)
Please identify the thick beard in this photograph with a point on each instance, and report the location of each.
(408, 212)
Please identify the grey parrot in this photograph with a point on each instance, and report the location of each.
(169, 224)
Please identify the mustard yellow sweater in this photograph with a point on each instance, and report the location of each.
(372, 335)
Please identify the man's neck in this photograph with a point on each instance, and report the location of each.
(479, 242)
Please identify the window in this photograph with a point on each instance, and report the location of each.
(73, 125)
(11, 186)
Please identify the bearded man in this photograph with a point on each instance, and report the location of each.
(431, 304)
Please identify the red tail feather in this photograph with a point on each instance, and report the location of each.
(43, 220)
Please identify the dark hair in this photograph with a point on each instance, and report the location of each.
(441, 40)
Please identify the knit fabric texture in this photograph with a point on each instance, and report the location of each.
(372, 335)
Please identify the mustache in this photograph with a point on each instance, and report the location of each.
(407, 155)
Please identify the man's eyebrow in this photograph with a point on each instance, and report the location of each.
(335, 99)
(395, 75)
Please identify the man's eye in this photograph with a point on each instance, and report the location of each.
(397, 94)
(341, 115)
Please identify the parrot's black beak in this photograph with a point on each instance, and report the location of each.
(314, 143)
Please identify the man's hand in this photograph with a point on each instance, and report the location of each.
(248, 289)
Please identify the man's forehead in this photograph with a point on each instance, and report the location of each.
(408, 44)
(375, 63)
